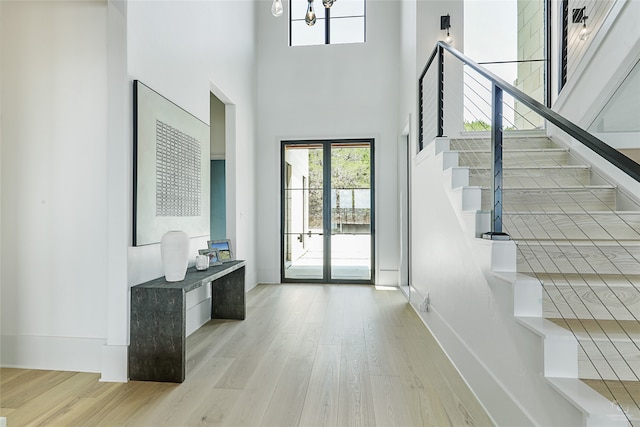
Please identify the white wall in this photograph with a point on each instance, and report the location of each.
(181, 50)
(336, 91)
(54, 184)
(66, 82)
(595, 81)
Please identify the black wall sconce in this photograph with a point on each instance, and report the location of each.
(580, 17)
(445, 24)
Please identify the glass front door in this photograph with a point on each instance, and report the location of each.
(327, 211)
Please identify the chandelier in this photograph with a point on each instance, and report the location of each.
(309, 18)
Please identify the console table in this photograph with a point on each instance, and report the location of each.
(157, 347)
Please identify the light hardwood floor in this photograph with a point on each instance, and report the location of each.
(307, 355)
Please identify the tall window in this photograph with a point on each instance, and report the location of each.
(344, 22)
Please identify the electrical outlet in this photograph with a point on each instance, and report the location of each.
(424, 305)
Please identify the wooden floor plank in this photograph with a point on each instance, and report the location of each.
(212, 411)
(255, 398)
(181, 402)
(356, 395)
(390, 406)
(22, 389)
(285, 407)
(132, 404)
(46, 406)
(321, 401)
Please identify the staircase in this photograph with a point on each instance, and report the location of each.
(580, 237)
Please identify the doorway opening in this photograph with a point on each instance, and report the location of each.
(218, 188)
(327, 211)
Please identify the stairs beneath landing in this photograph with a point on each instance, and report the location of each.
(584, 251)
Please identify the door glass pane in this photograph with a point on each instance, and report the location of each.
(351, 211)
(303, 216)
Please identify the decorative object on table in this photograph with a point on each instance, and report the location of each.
(170, 169)
(174, 250)
(224, 249)
(212, 256)
(202, 262)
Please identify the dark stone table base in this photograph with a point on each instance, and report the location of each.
(157, 348)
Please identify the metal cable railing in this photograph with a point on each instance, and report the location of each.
(565, 218)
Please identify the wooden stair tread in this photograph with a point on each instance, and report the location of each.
(633, 214)
(602, 330)
(519, 150)
(626, 393)
(573, 279)
(607, 350)
(589, 401)
(569, 188)
(595, 225)
(535, 167)
(572, 200)
(608, 360)
(579, 242)
(601, 303)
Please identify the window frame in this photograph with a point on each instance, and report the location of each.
(327, 19)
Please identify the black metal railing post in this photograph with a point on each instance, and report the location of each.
(440, 91)
(496, 164)
(496, 150)
(420, 113)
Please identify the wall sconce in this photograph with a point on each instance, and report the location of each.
(580, 17)
(445, 24)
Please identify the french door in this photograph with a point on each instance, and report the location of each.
(327, 205)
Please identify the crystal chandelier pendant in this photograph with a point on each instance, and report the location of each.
(276, 8)
(310, 17)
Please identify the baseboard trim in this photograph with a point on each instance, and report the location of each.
(115, 368)
(51, 353)
(387, 278)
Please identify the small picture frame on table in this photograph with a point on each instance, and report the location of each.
(223, 247)
(214, 257)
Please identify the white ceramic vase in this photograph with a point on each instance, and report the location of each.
(174, 250)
